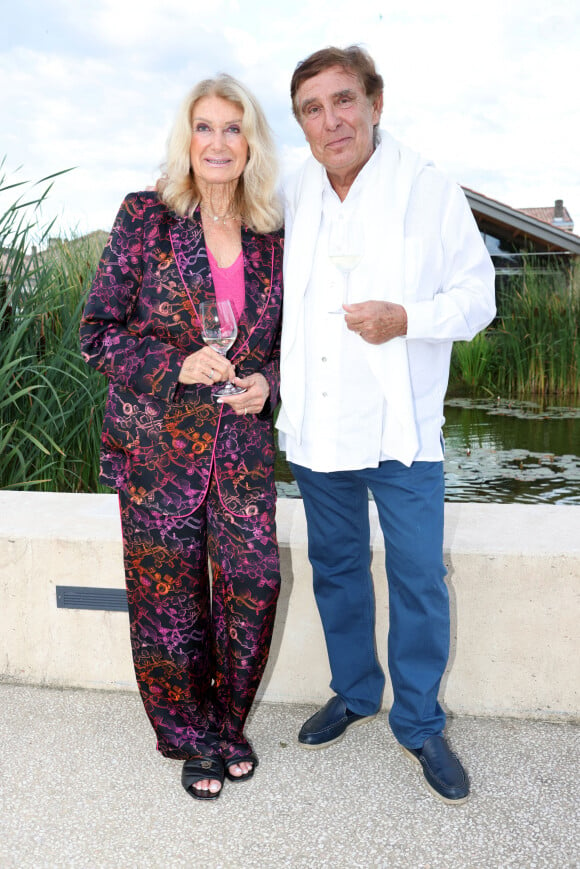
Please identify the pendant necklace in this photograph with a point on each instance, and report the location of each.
(219, 217)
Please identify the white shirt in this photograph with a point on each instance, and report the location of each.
(448, 295)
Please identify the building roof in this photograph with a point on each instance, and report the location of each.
(557, 215)
(497, 218)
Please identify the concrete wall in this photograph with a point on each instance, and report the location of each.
(514, 578)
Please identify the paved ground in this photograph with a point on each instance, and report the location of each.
(82, 786)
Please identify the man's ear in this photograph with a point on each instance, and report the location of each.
(377, 109)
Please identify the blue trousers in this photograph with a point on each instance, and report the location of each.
(410, 505)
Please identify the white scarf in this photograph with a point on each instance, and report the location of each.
(384, 205)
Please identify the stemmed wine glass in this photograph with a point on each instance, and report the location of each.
(345, 250)
(219, 331)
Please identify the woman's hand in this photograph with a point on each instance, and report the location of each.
(206, 366)
(255, 397)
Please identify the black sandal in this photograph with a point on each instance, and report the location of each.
(248, 758)
(199, 768)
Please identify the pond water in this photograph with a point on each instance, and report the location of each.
(502, 451)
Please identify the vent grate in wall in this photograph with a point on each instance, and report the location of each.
(74, 597)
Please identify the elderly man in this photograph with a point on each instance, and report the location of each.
(362, 395)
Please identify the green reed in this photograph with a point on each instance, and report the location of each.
(533, 346)
(51, 403)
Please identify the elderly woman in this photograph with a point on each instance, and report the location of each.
(195, 474)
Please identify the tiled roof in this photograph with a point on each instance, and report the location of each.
(547, 215)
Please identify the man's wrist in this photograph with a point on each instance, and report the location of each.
(404, 321)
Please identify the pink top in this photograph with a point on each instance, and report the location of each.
(229, 282)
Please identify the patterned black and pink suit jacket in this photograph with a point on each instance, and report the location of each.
(160, 438)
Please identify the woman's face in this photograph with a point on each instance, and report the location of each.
(219, 149)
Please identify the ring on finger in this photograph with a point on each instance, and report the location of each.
(211, 373)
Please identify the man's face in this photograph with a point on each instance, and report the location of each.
(338, 120)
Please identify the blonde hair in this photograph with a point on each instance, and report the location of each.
(255, 198)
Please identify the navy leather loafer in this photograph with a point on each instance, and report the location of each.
(444, 775)
(329, 724)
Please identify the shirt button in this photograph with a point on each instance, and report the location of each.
(324, 358)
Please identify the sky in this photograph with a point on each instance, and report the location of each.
(487, 90)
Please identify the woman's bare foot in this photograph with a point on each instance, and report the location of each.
(240, 769)
(203, 776)
(213, 786)
(208, 784)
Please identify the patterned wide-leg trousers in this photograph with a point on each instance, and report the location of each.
(199, 646)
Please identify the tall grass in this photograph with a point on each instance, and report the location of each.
(533, 347)
(51, 403)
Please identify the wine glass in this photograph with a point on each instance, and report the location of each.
(219, 331)
(345, 250)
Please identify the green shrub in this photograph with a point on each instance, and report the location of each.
(51, 403)
(533, 347)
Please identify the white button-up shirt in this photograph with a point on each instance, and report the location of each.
(448, 296)
(340, 385)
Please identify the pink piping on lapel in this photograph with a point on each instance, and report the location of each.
(257, 323)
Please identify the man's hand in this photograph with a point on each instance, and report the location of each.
(376, 322)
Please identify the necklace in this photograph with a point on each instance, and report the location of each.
(223, 218)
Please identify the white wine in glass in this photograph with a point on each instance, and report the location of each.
(345, 251)
(219, 331)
